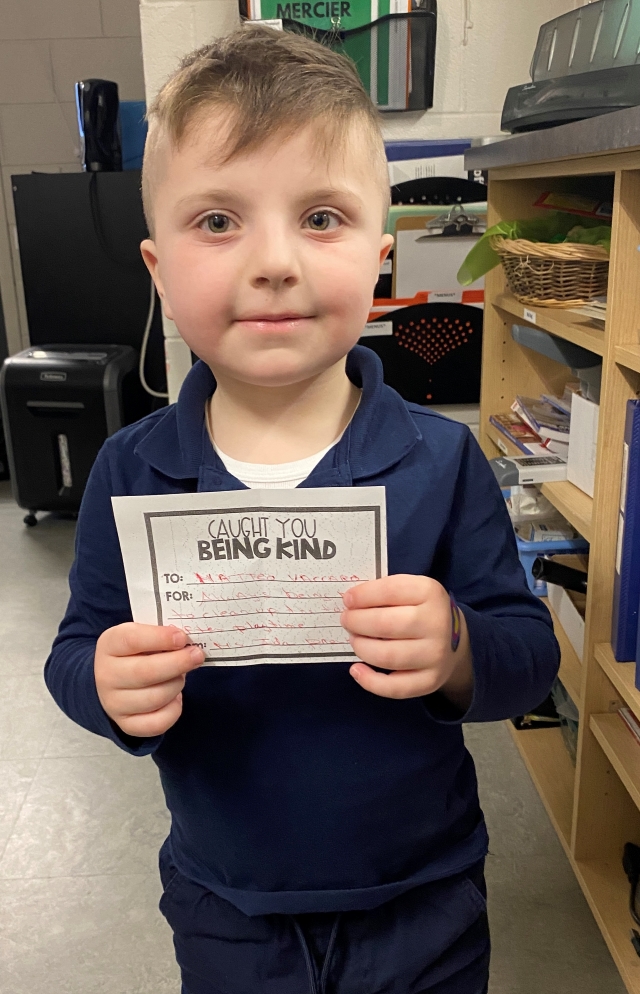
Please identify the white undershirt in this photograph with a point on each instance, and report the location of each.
(270, 476)
(283, 475)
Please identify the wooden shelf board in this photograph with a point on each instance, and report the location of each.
(621, 749)
(549, 764)
(573, 503)
(629, 356)
(570, 665)
(622, 676)
(557, 321)
(606, 889)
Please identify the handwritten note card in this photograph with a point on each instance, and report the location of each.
(253, 576)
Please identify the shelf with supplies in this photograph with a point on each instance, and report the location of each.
(556, 321)
(573, 503)
(621, 749)
(549, 764)
(606, 889)
(594, 806)
(570, 665)
(622, 676)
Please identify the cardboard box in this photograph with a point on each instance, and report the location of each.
(570, 606)
(583, 441)
(442, 165)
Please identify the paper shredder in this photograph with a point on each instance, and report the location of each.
(59, 404)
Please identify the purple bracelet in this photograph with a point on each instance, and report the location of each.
(455, 623)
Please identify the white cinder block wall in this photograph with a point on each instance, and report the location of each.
(483, 48)
(45, 46)
(170, 29)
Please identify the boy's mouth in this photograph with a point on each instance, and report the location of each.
(286, 321)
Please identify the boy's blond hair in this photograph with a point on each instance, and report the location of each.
(272, 83)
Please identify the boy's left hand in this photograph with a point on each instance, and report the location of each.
(403, 623)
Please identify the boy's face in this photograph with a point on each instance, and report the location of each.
(267, 263)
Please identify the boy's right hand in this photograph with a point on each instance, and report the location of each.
(140, 671)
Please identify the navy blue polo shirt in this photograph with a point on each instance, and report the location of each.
(291, 788)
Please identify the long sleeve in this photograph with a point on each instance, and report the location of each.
(515, 653)
(98, 601)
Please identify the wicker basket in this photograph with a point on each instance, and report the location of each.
(563, 275)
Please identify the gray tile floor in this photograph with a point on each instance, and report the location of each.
(81, 823)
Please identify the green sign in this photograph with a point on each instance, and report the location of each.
(381, 54)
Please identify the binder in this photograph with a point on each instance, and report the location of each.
(626, 588)
(424, 148)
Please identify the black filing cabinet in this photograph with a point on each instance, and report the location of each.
(59, 404)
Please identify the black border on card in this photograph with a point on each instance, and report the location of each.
(148, 515)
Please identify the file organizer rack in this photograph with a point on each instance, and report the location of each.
(395, 55)
(594, 807)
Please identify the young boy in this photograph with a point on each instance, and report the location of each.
(326, 833)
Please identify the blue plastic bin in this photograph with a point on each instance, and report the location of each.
(528, 551)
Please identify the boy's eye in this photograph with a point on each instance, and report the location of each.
(322, 221)
(218, 223)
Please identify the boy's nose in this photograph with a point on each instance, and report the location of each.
(273, 262)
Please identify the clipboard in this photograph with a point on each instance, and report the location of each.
(428, 264)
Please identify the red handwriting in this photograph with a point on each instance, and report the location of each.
(254, 611)
(258, 626)
(233, 577)
(273, 643)
(303, 578)
(271, 611)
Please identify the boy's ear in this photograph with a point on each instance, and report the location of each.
(386, 243)
(150, 256)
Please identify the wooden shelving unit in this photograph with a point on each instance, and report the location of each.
(594, 806)
(564, 324)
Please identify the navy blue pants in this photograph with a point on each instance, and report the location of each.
(432, 940)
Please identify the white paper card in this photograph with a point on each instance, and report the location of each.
(445, 297)
(253, 576)
(268, 22)
(377, 328)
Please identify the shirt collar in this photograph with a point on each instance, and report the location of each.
(380, 434)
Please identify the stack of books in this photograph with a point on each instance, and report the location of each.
(535, 427)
